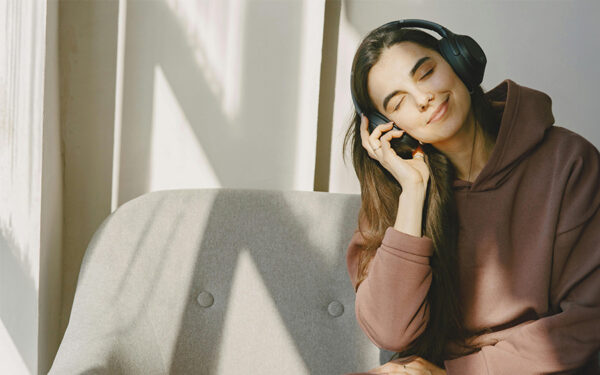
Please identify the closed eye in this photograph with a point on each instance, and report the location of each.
(398, 105)
(426, 74)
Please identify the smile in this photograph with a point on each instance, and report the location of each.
(439, 112)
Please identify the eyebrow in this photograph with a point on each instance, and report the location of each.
(411, 74)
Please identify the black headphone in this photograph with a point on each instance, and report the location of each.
(461, 52)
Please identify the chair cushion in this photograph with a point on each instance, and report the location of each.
(219, 281)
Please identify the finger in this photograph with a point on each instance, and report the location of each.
(380, 129)
(385, 143)
(387, 138)
(417, 371)
(410, 370)
(393, 372)
(388, 368)
(383, 371)
(364, 122)
(376, 134)
(395, 367)
(364, 135)
(377, 147)
(392, 134)
(420, 366)
(364, 127)
(381, 146)
(369, 149)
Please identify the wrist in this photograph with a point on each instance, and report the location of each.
(410, 211)
(416, 192)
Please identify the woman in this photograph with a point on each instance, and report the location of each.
(477, 252)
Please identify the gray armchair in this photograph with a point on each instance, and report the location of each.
(218, 281)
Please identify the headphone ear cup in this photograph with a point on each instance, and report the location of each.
(466, 57)
(376, 119)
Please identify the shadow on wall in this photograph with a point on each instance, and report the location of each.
(255, 144)
(19, 299)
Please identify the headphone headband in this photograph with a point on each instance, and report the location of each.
(423, 24)
(464, 55)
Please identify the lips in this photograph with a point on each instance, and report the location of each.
(440, 111)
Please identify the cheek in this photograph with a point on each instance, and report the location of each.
(444, 81)
(463, 101)
(449, 80)
(407, 120)
(459, 87)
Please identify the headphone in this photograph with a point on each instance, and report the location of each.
(461, 52)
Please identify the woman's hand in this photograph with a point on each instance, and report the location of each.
(408, 172)
(417, 366)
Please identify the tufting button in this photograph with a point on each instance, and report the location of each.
(205, 299)
(335, 309)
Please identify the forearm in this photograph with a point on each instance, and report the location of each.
(391, 303)
(410, 211)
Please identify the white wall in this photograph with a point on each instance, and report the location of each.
(552, 46)
(21, 110)
(220, 93)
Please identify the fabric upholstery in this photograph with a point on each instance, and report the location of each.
(218, 281)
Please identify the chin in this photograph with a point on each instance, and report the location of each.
(439, 137)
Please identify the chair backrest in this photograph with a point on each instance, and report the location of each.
(219, 281)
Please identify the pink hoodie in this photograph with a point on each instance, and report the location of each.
(528, 251)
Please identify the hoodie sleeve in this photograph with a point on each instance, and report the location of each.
(391, 305)
(570, 338)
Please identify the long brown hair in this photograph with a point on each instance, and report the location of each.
(380, 192)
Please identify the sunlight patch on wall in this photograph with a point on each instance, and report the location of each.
(177, 160)
(215, 30)
(252, 317)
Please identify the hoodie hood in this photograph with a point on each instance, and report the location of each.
(526, 116)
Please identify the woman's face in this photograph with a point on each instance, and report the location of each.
(409, 83)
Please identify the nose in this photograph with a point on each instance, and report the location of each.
(424, 100)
